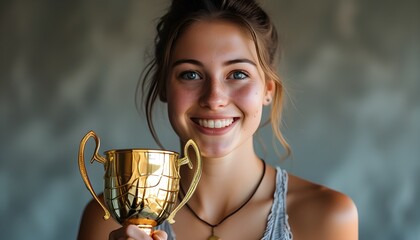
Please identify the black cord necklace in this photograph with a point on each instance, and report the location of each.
(213, 226)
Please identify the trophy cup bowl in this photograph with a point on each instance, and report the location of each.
(140, 185)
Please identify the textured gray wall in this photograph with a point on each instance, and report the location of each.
(352, 117)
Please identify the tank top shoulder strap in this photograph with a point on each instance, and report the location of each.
(277, 224)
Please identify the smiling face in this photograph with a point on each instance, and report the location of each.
(216, 89)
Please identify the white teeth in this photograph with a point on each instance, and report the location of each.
(215, 123)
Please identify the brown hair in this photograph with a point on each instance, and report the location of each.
(181, 14)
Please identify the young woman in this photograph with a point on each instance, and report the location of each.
(214, 66)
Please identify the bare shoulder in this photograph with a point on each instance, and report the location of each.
(318, 212)
(93, 225)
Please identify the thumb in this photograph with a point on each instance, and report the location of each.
(159, 235)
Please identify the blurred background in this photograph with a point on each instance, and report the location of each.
(352, 116)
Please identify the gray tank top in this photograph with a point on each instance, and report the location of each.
(277, 223)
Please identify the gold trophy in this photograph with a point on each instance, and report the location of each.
(141, 185)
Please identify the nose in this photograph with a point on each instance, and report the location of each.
(214, 95)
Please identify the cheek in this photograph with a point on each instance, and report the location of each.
(175, 105)
(179, 101)
(250, 97)
(175, 112)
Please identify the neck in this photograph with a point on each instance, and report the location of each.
(224, 186)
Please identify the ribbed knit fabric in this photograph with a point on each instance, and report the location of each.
(277, 222)
(277, 225)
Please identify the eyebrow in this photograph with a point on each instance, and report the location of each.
(198, 63)
(191, 61)
(240, 60)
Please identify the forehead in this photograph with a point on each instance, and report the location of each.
(214, 37)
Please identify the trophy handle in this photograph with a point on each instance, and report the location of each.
(195, 179)
(82, 166)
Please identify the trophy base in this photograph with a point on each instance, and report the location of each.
(144, 224)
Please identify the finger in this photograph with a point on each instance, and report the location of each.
(129, 232)
(159, 235)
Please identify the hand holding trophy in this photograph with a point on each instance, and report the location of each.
(140, 185)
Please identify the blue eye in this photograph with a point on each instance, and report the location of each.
(238, 75)
(190, 75)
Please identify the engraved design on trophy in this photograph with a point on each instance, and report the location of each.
(141, 185)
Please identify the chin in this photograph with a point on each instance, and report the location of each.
(214, 153)
(214, 148)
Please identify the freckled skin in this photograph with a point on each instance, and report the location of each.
(213, 45)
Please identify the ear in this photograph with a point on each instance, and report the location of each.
(270, 89)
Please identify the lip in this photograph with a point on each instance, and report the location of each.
(230, 122)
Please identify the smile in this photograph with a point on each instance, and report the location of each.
(215, 123)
